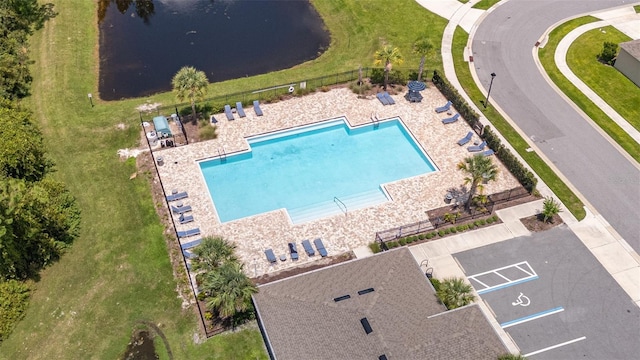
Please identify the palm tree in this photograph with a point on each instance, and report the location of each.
(422, 47)
(550, 208)
(191, 84)
(455, 293)
(229, 289)
(478, 168)
(212, 253)
(388, 55)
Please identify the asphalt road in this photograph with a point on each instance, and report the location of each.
(503, 44)
(572, 302)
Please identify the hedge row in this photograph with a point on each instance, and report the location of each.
(524, 176)
(375, 246)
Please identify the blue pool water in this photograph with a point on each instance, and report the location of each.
(304, 169)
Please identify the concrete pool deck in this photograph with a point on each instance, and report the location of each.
(412, 197)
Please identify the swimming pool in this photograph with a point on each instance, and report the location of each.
(314, 171)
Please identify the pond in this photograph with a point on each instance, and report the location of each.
(143, 43)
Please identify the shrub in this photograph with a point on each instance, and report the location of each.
(301, 92)
(447, 231)
(608, 53)
(201, 296)
(206, 131)
(451, 217)
(357, 88)
(402, 241)
(483, 222)
(325, 88)
(422, 236)
(395, 77)
(441, 233)
(14, 299)
(208, 315)
(392, 244)
(430, 235)
(375, 247)
(453, 230)
(436, 283)
(550, 208)
(462, 228)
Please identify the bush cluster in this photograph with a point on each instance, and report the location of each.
(395, 77)
(524, 176)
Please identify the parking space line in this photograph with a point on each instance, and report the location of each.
(554, 346)
(525, 319)
(530, 275)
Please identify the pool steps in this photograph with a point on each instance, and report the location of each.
(329, 207)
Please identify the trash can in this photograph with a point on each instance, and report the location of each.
(448, 198)
(160, 160)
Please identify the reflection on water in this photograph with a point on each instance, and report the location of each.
(143, 43)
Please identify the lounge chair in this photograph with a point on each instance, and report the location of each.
(271, 257)
(293, 251)
(190, 232)
(444, 107)
(184, 219)
(382, 98)
(240, 110)
(188, 254)
(320, 246)
(256, 107)
(476, 148)
(466, 139)
(177, 196)
(179, 210)
(450, 120)
(414, 96)
(308, 248)
(488, 152)
(389, 98)
(190, 244)
(227, 111)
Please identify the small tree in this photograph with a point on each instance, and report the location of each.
(550, 208)
(479, 168)
(422, 47)
(388, 55)
(229, 288)
(212, 253)
(455, 293)
(608, 53)
(190, 84)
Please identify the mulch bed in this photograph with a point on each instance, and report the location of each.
(303, 268)
(534, 223)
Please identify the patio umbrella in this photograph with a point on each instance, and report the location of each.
(416, 85)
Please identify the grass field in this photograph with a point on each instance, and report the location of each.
(118, 271)
(485, 4)
(546, 56)
(568, 198)
(609, 83)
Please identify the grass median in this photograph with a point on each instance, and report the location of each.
(562, 191)
(583, 70)
(118, 273)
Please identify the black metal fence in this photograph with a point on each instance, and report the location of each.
(382, 237)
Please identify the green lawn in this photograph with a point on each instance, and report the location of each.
(485, 4)
(610, 84)
(568, 198)
(636, 8)
(118, 272)
(546, 55)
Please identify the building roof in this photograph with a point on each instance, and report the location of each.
(301, 318)
(632, 47)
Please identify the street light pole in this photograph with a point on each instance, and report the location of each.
(90, 99)
(486, 102)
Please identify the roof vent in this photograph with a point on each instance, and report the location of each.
(382, 357)
(366, 326)
(365, 291)
(343, 297)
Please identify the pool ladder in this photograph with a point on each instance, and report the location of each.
(339, 202)
(222, 155)
(375, 121)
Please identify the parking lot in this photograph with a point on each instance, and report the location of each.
(554, 299)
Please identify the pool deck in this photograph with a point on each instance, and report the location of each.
(412, 197)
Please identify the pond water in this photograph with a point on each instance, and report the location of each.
(143, 46)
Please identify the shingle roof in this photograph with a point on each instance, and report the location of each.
(302, 320)
(632, 47)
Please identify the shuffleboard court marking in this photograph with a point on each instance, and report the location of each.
(527, 271)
